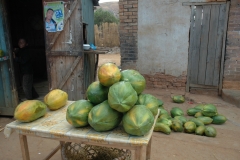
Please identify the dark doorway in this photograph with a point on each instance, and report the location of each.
(25, 19)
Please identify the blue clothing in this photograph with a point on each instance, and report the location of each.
(51, 26)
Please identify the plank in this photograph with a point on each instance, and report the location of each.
(4, 66)
(24, 147)
(212, 44)
(203, 86)
(220, 31)
(56, 35)
(53, 152)
(195, 45)
(204, 44)
(223, 47)
(190, 48)
(69, 72)
(201, 3)
(140, 154)
(149, 146)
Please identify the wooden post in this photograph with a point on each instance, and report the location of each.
(140, 154)
(149, 149)
(24, 147)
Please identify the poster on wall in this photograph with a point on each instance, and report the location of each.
(54, 16)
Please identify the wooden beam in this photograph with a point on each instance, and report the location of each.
(24, 147)
(189, 50)
(53, 152)
(223, 50)
(203, 86)
(201, 3)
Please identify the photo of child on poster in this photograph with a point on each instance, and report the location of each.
(54, 15)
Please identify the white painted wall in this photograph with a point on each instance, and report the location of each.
(163, 36)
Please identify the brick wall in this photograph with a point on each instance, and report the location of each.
(128, 16)
(163, 81)
(231, 79)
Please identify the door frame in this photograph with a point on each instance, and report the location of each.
(12, 100)
(192, 4)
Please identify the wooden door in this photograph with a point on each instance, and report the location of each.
(8, 93)
(64, 52)
(207, 45)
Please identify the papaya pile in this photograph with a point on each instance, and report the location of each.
(116, 98)
(203, 114)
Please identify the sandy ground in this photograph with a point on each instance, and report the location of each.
(176, 146)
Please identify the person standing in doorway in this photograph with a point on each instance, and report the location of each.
(23, 56)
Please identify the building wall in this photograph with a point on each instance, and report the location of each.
(157, 43)
(231, 79)
(154, 39)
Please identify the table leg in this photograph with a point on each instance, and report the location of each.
(24, 147)
(149, 149)
(139, 153)
(61, 144)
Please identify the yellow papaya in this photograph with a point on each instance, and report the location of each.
(30, 110)
(56, 99)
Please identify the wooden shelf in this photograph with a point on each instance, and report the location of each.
(95, 51)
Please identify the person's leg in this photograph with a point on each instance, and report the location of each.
(27, 85)
(34, 93)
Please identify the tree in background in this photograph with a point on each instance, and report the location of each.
(101, 16)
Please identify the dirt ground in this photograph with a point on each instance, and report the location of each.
(179, 146)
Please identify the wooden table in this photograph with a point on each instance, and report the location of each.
(54, 126)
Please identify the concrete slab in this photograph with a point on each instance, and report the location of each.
(231, 96)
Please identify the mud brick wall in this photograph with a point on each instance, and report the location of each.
(231, 79)
(128, 16)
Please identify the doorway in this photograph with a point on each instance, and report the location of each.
(207, 46)
(25, 19)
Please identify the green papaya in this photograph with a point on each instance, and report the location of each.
(205, 120)
(165, 116)
(210, 131)
(197, 122)
(198, 114)
(189, 127)
(163, 111)
(160, 102)
(160, 127)
(166, 121)
(176, 111)
(177, 126)
(199, 106)
(209, 110)
(181, 118)
(178, 99)
(219, 119)
(200, 130)
(193, 111)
